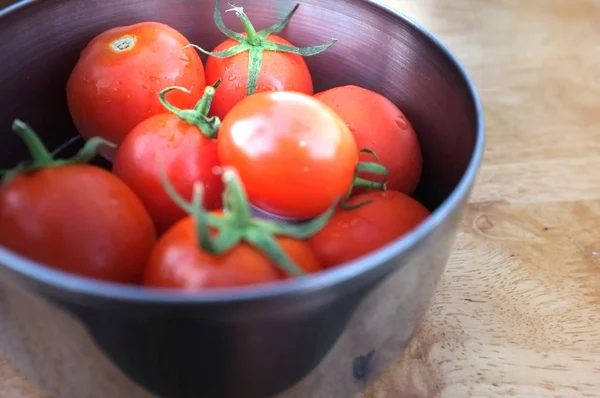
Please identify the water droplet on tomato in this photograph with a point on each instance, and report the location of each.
(355, 223)
(401, 122)
(102, 85)
(238, 84)
(232, 78)
(217, 170)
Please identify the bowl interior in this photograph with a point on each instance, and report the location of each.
(42, 40)
(377, 49)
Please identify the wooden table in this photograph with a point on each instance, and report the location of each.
(517, 313)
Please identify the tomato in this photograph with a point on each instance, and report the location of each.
(354, 233)
(230, 247)
(279, 71)
(116, 81)
(294, 155)
(186, 153)
(72, 216)
(178, 262)
(79, 219)
(254, 61)
(378, 124)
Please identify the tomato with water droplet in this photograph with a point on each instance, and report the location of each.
(379, 125)
(182, 143)
(116, 81)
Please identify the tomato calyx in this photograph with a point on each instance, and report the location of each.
(123, 43)
(41, 158)
(376, 169)
(237, 224)
(208, 126)
(255, 42)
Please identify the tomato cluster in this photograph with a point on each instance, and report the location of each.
(196, 148)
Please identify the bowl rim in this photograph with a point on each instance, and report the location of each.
(78, 285)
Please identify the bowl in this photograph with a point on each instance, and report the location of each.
(330, 335)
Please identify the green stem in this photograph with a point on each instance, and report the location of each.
(38, 151)
(372, 168)
(364, 183)
(254, 65)
(201, 222)
(221, 25)
(279, 26)
(251, 34)
(208, 126)
(268, 245)
(256, 43)
(203, 106)
(42, 158)
(226, 239)
(369, 167)
(237, 225)
(237, 201)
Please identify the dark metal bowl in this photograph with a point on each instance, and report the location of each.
(325, 336)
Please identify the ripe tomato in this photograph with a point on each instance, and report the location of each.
(79, 219)
(230, 247)
(354, 233)
(186, 154)
(254, 61)
(378, 124)
(116, 81)
(179, 262)
(279, 71)
(294, 155)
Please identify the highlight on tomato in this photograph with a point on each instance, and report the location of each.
(229, 248)
(119, 74)
(379, 125)
(184, 141)
(73, 216)
(256, 61)
(369, 221)
(294, 155)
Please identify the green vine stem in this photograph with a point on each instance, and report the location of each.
(209, 126)
(237, 225)
(40, 156)
(376, 169)
(256, 43)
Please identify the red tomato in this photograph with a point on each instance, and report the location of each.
(279, 71)
(178, 262)
(354, 233)
(187, 157)
(256, 61)
(77, 218)
(378, 125)
(115, 84)
(294, 155)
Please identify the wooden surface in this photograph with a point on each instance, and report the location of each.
(517, 313)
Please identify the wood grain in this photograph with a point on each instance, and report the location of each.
(517, 312)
